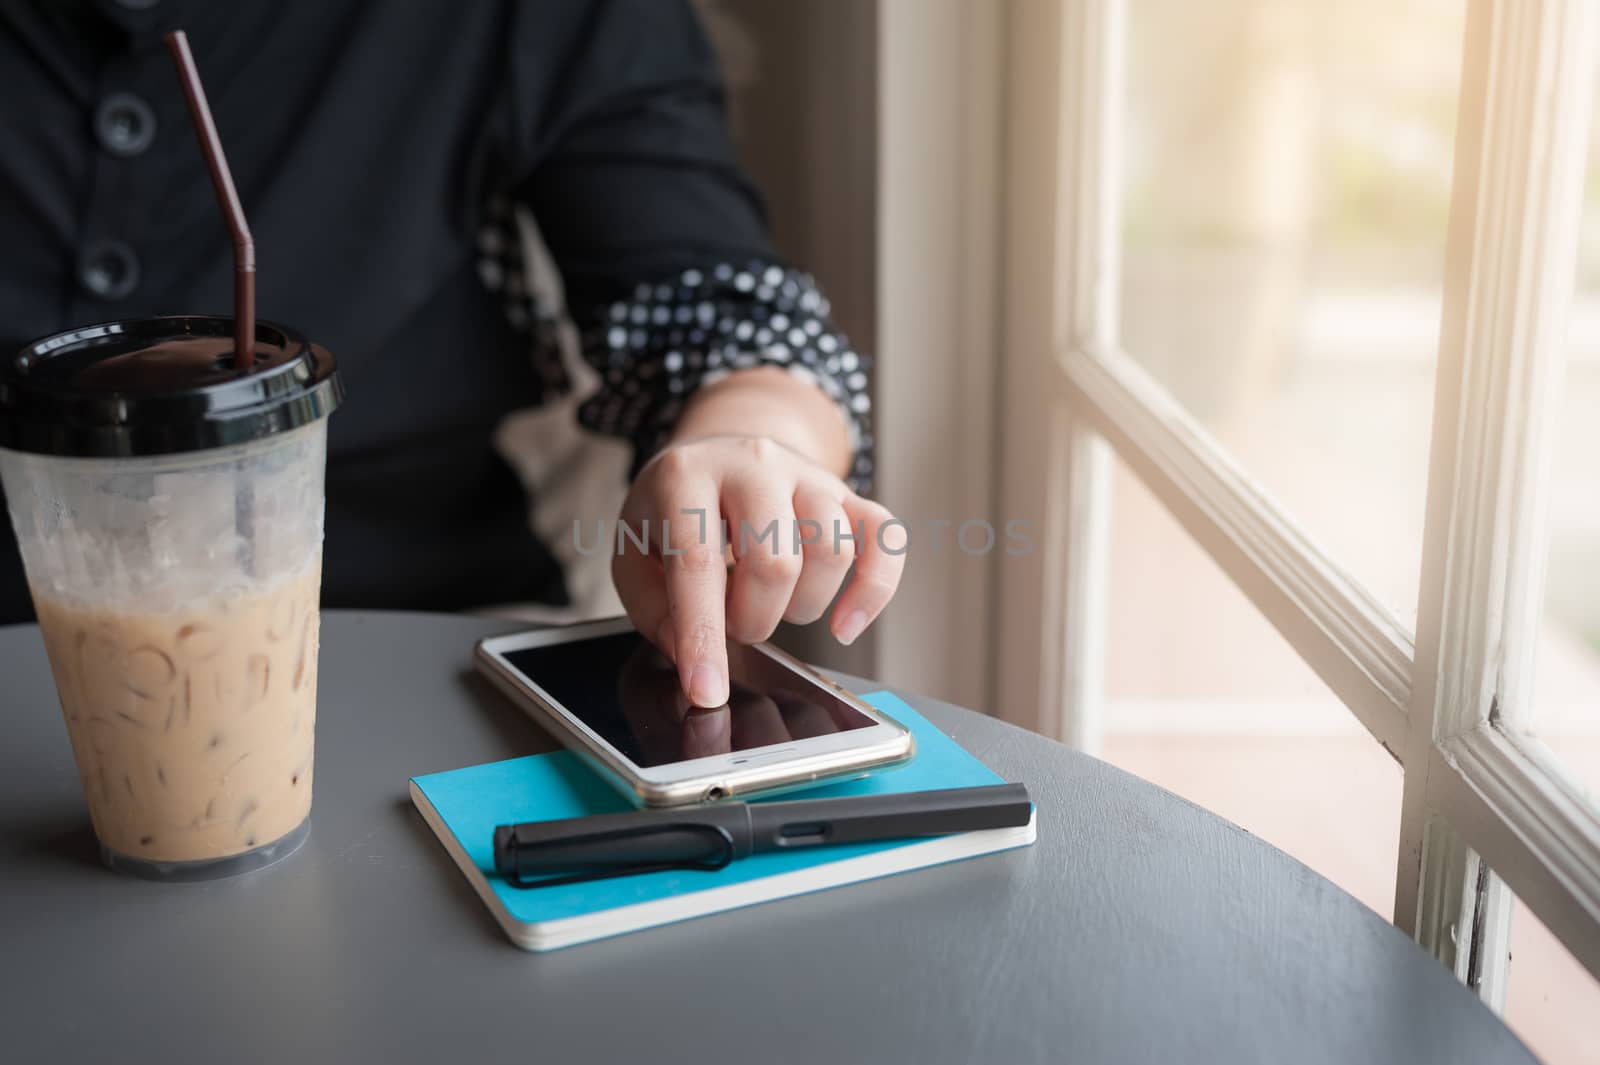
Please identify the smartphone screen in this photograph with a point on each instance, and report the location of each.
(627, 692)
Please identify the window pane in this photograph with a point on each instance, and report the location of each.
(1204, 698)
(1551, 1000)
(1565, 710)
(1286, 190)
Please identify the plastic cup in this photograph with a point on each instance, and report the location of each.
(168, 507)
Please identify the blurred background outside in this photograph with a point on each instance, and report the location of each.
(1286, 197)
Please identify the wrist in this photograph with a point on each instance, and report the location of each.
(769, 402)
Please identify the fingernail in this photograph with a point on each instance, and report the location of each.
(667, 639)
(707, 686)
(851, 626)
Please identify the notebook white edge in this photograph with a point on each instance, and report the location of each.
(570, 931)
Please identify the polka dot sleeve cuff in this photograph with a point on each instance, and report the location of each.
(675, 335)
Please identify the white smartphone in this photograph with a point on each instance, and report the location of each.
(606, 693)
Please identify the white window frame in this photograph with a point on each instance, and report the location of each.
(1448, 703)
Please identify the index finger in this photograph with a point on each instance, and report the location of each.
(697, 577)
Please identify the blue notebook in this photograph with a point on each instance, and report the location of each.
(464, 806)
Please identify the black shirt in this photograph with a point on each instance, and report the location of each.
(379, 149)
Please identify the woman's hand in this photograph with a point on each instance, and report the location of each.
(792, 529)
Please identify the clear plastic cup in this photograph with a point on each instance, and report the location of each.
(168, 508)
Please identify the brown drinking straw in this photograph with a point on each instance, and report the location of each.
(244, 246)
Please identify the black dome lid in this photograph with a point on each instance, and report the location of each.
(158, 386)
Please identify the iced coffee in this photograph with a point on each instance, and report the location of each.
(192, 728)
(168, 506)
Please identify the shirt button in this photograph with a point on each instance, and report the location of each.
(125, 124)
(109, 270)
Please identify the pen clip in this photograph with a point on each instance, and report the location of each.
(714, 833)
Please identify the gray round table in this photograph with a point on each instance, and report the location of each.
(1138, 929)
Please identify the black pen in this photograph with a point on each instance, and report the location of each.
(709, 837)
